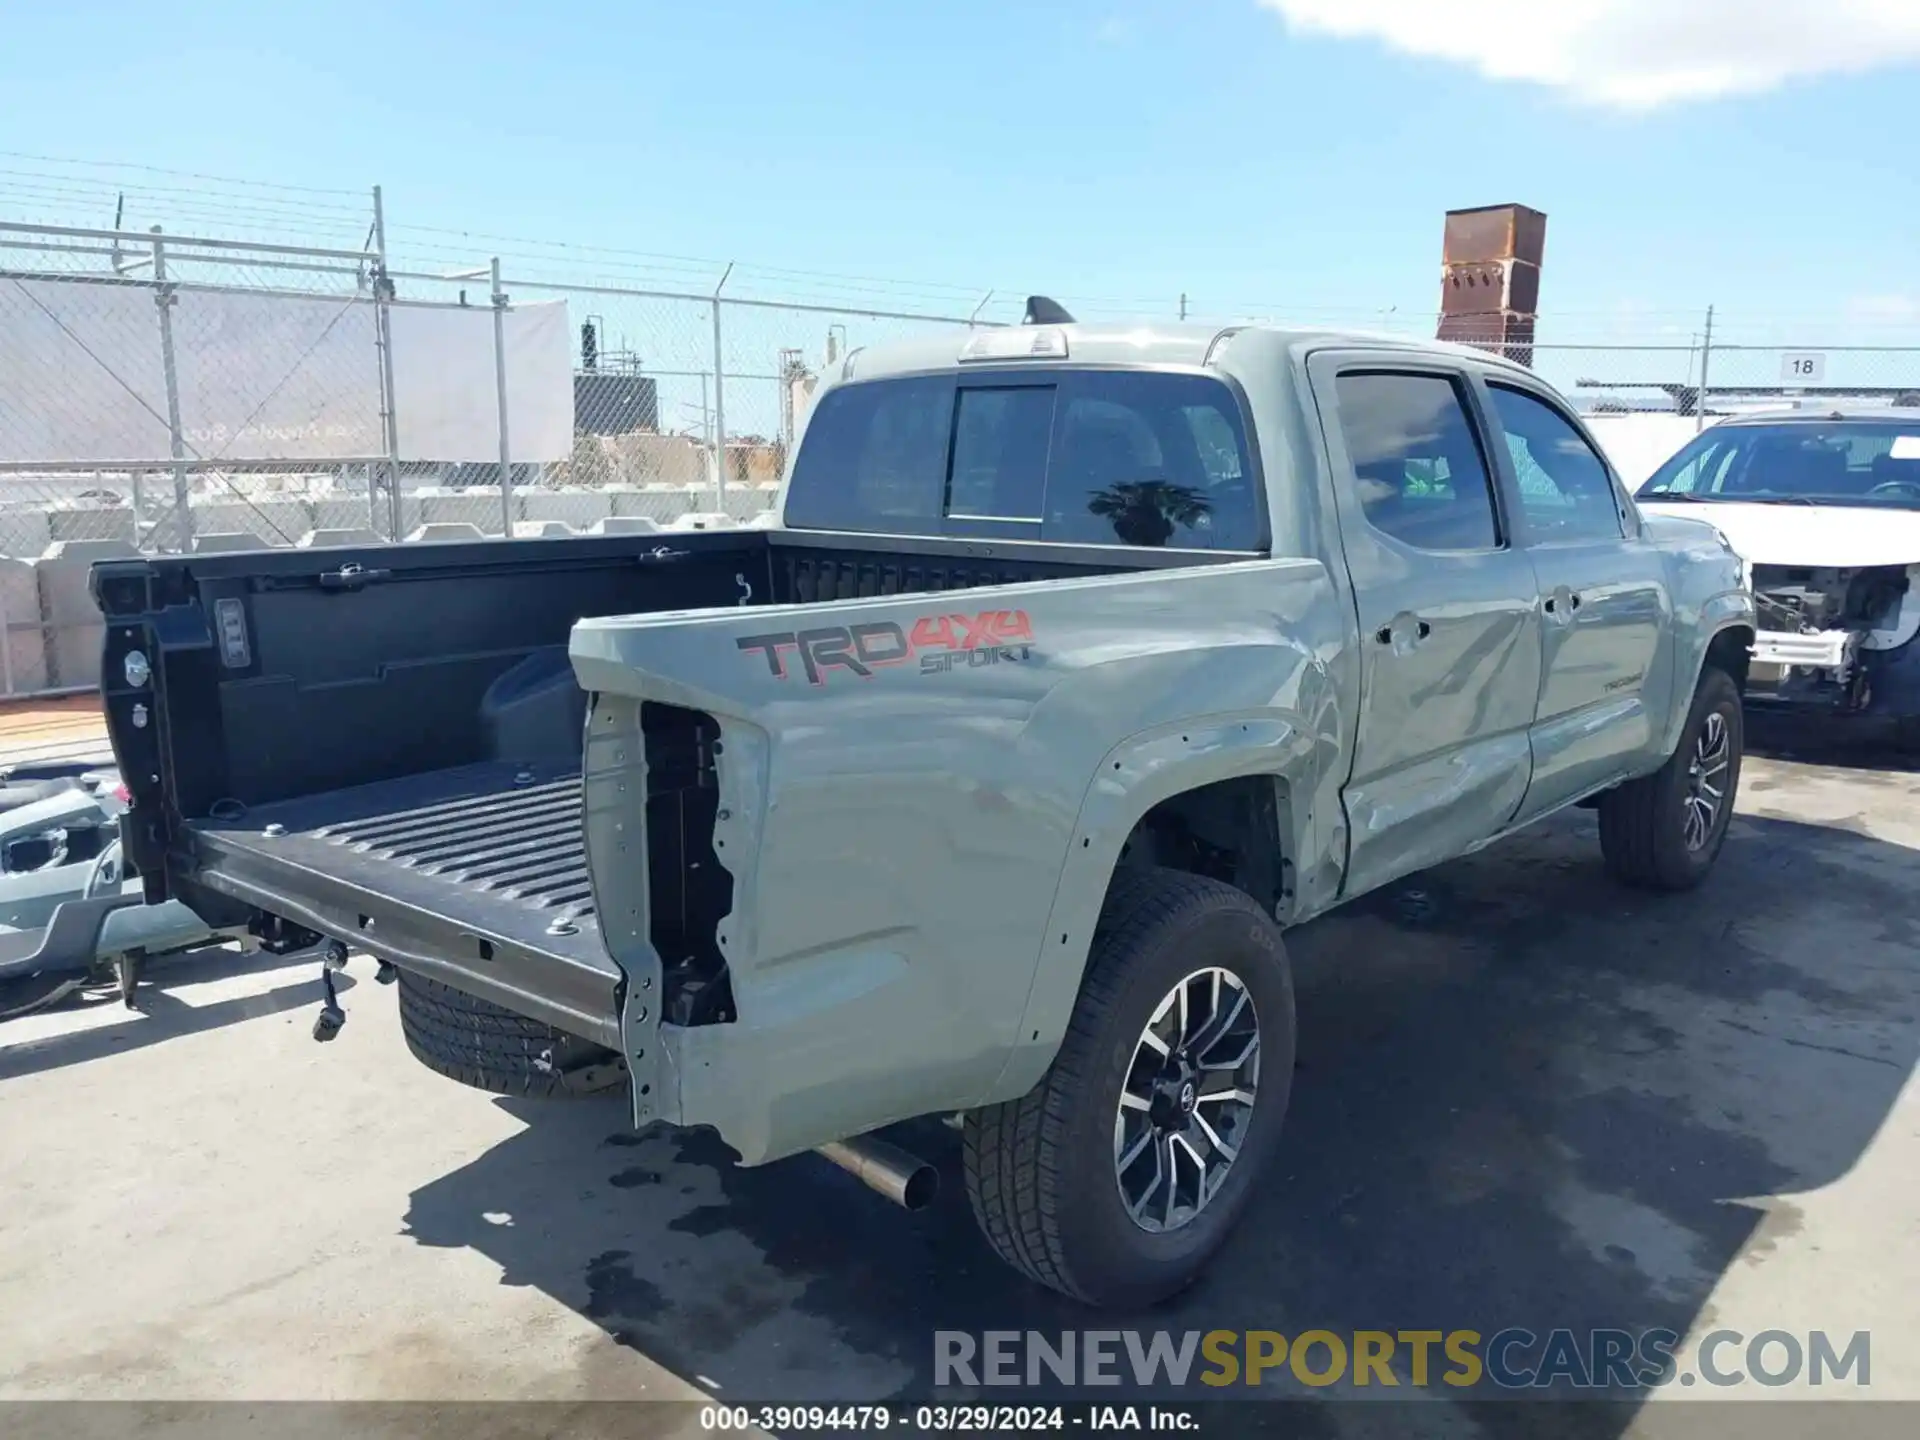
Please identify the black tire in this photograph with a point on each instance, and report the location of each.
(490, 1048)
(1643, 823)
(1040, 1170)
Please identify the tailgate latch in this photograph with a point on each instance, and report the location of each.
(351, 576)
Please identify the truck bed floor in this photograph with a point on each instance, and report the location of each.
(450, 872)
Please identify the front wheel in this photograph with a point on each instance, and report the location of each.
(1663, 831)
(1119, 1175)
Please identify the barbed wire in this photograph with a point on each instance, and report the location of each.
(66, 189)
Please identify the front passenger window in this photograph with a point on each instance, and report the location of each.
(1417, 465)
(1564, 487)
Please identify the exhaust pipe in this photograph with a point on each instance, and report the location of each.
(905, 1179)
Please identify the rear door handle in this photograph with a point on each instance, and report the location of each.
(1561, 604)
(1403, 632)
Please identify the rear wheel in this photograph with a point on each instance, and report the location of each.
(1663, 832)
(1119, 1175)
(491, 1048)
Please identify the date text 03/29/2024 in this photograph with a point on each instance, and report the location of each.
(948, 1418)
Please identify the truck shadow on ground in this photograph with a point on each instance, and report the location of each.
(1525, 1097)
(1841, 743)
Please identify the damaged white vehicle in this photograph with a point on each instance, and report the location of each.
(1824, 507)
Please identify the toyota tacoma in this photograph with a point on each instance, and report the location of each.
(1082, 662)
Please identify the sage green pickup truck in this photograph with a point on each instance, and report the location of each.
(1083, 662)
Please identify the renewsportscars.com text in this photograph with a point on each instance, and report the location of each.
(1514, 1359)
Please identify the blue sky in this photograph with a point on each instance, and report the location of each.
(1113, 152)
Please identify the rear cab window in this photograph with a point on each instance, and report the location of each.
(1141, 458)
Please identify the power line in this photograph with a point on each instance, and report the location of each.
(179, 174)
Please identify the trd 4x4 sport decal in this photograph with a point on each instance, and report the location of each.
(940, 643)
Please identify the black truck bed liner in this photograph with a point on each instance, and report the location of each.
(492, 853)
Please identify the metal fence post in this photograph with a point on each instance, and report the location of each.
(719, 406)
(500, 389)
(1706, 354)
(383, 340)
(176, 438)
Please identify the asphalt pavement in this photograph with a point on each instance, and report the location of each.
(1525, 1097)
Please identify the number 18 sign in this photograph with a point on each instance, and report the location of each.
(1803, 367)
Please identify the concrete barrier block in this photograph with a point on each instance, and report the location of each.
(24, 534)
(663, 503)
(627, 525)
(277, 522)
(541, 530)
(577, 508)
(90, 523)
(704, 520)
(230, 540)
(479, 509)
(440, 532)
(23, 638)
(74, 628)
(743, 502)
(334, 537)
(337, 514)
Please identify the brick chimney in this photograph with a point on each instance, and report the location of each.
(1490, 278)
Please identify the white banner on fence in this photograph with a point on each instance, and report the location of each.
(80, 375)
(260, 377)
(277, 377)
(445, 388)
(270, 377)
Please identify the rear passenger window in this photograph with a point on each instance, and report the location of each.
(1417, 465)
(1564, 487)
(1152, 460)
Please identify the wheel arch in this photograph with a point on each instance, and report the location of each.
(1726, 641)
(1241, 779)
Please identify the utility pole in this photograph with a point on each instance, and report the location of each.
(383, 340)
(500, 398)
(163, 297)
(719, 404)
(1183, 304)
(1706, 354)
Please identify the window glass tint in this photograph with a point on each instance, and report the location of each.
(1417, 466)
(874, 458)
(1833, 462)
(1701, 465)
(1564, 488)
(1151, 459)
(1095, 457)
(1000, 439)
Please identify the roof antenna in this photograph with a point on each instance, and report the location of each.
(1042, 311)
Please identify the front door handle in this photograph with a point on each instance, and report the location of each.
(1560, 604)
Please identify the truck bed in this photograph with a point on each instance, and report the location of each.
(336, 739)
(475, 865)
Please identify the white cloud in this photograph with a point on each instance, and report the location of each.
(1895, 309)
(1632, 54)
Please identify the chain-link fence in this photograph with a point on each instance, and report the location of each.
(166, 392)
(171, 393)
